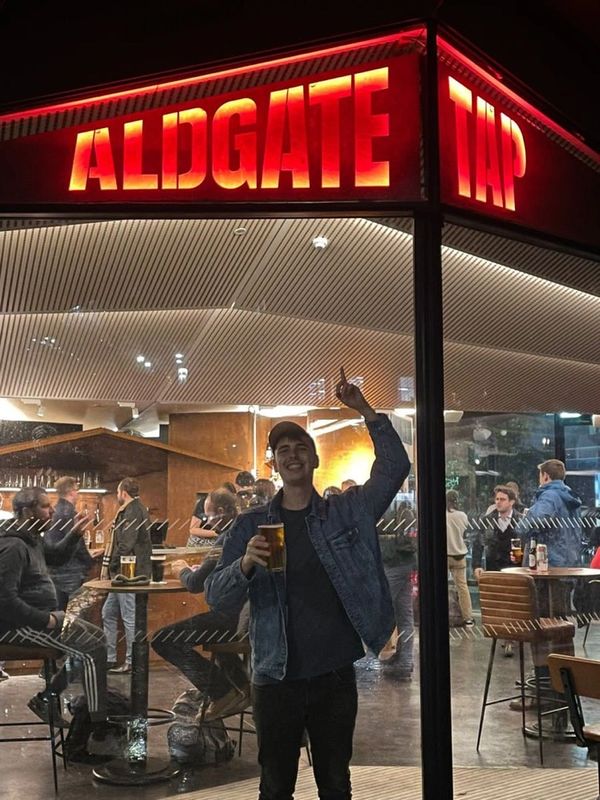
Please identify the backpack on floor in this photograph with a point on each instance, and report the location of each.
(208, 743)
(90, 742)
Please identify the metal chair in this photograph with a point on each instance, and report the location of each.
(576, 678)
(509, 611)
(594, 590)
(55, 735)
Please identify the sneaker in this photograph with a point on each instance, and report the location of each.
(4, 676)
(124, 669)
(232, 702)
(41, 708)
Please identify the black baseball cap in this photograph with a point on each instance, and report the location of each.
(291, 430)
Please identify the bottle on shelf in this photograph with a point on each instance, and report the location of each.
(533, 555)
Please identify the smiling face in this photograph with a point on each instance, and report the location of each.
(295, 460)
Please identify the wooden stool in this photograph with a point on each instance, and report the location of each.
(509, 611)
(55, 735)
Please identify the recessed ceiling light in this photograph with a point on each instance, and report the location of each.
(140, 359)
(239, 231)
(178, 355)
(179, 360)
(320, 242)
(147, 364)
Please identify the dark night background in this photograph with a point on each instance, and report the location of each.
(48, 47)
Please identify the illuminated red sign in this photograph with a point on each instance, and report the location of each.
(343, 135)
(502, 158)
(224, 148)
(499, 149)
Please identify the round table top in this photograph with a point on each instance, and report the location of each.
(150, 588)
(556, 572)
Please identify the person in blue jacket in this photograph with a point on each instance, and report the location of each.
(554, 517)
(308, 623)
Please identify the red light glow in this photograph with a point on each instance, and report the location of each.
(493, 148)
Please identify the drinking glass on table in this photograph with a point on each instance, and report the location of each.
(128, 566)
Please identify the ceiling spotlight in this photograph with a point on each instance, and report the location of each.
(182, 374)
(320, 242)
(140, 359)
(147, 364)
(135, 412)
(41, 410)
(178, 355)
(239, 231)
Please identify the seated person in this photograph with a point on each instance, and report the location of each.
(264, 492)
(28, 602)
(245, 488)
(220, 509)
(177, 643)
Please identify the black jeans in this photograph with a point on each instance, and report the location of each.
(326, 707)
(177, 644)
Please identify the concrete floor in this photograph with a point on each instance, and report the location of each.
(387, 732)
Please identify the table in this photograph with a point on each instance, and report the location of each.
(555, 574)
(137, 769)
(556, 606)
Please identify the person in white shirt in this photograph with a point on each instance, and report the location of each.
(457, 523)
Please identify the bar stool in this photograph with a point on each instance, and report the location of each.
(242, 649)
(509, 611)
(55, 735)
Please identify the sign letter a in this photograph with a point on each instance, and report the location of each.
(96, 142)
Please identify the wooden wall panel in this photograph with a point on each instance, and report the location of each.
(220, 437)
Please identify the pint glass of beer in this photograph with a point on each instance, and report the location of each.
(275, 536)
(128, 566)
(158, 569)
(516, 551)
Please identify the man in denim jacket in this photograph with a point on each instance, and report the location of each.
(308, 624)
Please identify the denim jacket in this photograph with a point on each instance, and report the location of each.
(342, 531)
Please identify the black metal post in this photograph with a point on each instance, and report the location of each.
(436, 721)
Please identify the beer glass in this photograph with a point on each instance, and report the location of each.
(516, 551)
(128, 566)
(158, 569)
(275, 536)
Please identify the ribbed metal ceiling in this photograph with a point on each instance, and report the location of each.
(262, 316)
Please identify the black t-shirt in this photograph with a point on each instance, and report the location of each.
(320, 636)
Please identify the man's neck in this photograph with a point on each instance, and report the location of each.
(295, 498)
(505, 514)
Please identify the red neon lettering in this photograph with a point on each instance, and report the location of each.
(286, 106)
(244, 145)
(487, 170)
(133, 177)
(96, 142)
(463, 105)
(328, 94)
(514, 166)
(500, 154)
(369, 126)
(171, 177)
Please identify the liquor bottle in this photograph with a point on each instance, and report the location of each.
(533, 555)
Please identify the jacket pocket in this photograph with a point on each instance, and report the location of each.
(344, 538)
